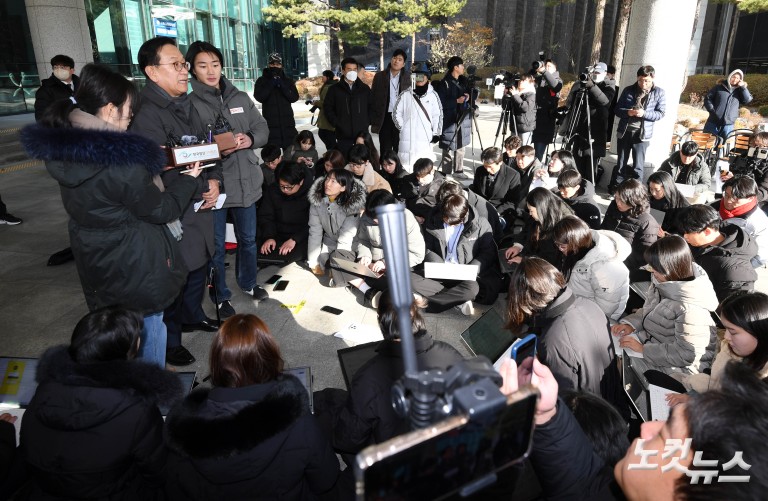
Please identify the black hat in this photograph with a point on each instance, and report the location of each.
(453, 62)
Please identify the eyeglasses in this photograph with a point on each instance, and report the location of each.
(177, 65)
(287, 187)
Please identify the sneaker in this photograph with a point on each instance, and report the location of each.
(420, 301)
(372, 297)
(225, 309)
(460, 175)
(258, 293)
(10, 219)
(467, 308)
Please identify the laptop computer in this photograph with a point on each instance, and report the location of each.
(488, 336)
(451, 271)
(647, 389)
(351, 359)
(357, 269)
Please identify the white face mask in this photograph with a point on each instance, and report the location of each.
(62, 74)
(351, 76)
(598, 77)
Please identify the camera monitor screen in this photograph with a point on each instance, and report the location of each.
(435, 462)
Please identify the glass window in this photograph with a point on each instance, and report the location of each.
(202, 5)
(202, 26)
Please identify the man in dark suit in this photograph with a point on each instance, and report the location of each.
(498, 183)
(60, 85)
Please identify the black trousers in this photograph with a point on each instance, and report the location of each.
(328, 137)
(187, 308)
(389, 135)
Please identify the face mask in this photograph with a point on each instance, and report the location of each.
(351, 76)
(62, 74)
(598, 77)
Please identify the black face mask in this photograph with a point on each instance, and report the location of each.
(420, 90)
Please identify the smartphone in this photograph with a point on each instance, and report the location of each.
(456, 455)
(331, 310)
(281, 285)
(523, 349)
(273, 279)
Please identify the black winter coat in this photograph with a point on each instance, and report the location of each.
(380, 94)
(723, 101)
(524, 111)
(425, 197)
(123, 251)
(94, 431)
(257, 441)
(450, 89)
(728, 264)
(275, 91)
(158, 116)
(283, 217)
(348, 110)
(368, 417)
(600, 97)
(544, 247)
(575, 343)
(696, 174)
(504, 192)
(548, 87)
(51, 90)
(641, 232)
(584, 206)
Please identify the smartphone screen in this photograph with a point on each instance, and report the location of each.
(440, 460)
(281, 285)
(273, 279)
(331, 310)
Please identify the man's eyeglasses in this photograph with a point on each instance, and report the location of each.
(287, 187)
(177, 65)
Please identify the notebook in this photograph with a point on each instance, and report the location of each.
(451, 271)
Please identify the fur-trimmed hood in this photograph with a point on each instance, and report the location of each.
(74, 155)
(224, 422)
(84, 395)
(355, 202)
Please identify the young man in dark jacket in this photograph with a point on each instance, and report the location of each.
(687, 166)
(548, 86)
(498, 183)
(348, 106)
(639, 106)
(455, 95)
(60, 85)
(723, 101)
(387, 86)
(723, 250)
(275, 91)
(580, 195)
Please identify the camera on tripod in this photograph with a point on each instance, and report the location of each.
(510, 79)
(538, 64)
(586, 76)
(471, 76)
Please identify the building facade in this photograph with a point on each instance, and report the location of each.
(111, 31)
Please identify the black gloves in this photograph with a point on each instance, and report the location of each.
(435, 139)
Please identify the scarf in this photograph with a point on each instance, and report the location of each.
(738, 211)
(451, 248)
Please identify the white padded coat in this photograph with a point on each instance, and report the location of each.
(416, 130)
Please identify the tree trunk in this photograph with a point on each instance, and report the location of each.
(620, 39)
(381, 50)
(597, 39)
(581, 29)
(731, 39)
(413, 47)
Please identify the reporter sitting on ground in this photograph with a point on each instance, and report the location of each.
(331, 159)
(369, 248)
(579, 194)
(559, 162)
(593, 264)
(393, 172)
(676, 331)
(482, 207)
(529, 168)
(629, 215)
(498, 183)
(425, 182)
(601, 423)
(724, 250)
(272, 157)
(739, 206)
(574, 338)
(93, 429)
(745, 318)
(284, 215)
(455, 234)
(687, 166)
(545, 209)
(721, 424)
(667, 198)
(252, 432)
(360, 165)
(364, 415)
(336, 202)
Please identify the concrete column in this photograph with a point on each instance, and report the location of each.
(659, 34)
(693, 56)
(318, 53)
(59, 27)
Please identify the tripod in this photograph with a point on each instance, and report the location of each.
(469, 110)
(581, 103)
(505, 118)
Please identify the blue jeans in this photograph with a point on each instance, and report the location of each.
(153, 340)
(246, 262)
(720, 130)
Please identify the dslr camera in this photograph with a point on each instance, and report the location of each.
(313, 104)
(510, 79)
(540, 63)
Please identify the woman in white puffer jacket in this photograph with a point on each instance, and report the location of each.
(593, 264)
(418, 113)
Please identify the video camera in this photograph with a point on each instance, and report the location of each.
(471, 76)
(510, 80)
(587, 75)
(538, 64)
